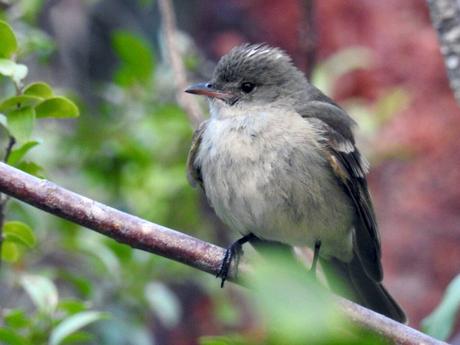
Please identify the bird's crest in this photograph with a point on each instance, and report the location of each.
(249, 57)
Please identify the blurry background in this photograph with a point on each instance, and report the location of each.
(379, 59)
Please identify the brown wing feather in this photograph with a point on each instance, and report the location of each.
(194, 170)
(350, 169)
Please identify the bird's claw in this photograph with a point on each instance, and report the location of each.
(233, 252)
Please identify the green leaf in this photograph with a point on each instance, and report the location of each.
(16, 318)
(8, 38)
(440, 322)
(41, 291)
(137, 60)
(16, 102)
(305, 313)
(73, 323)
(81, 284)
(17, 154)
(164, 303)
(32, 168)
(13, 70)
(10, 337)
(30, 10)
(223, 340)
(79, 337)
(57, 107)
(18, 232)
(38, 89)
(21, 123)
(38, 43)
(94, 246)
(3, 121)
(71, 306)
(10, 252)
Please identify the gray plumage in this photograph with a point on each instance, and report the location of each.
(277, 159)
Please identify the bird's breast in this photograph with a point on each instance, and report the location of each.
(265, 174)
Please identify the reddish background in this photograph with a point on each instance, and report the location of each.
(417, 194)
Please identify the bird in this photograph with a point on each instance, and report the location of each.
(278, 162)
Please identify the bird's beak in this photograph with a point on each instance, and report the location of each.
(206, 89)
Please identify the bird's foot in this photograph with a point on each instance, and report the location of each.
(312, 271)
(232, 253)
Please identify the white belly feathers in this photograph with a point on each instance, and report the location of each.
(275, 183)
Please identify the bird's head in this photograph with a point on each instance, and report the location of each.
(252, 75)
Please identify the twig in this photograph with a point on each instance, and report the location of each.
(4, 198)
(445, 15)
(308, 36)
(189, 104)
(9, 148)
(157, 239)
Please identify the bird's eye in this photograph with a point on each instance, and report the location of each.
(247, 87)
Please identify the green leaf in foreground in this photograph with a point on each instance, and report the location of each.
(41, 291)
(297, 309)
(13, 70)
(57, 107)
(17, 154)
(39, 89)
(18, 232)
(73, 324)
(10, 252)
(21, 123)
(9, 43)
(294, 306)
(16, 102)
(440, 322)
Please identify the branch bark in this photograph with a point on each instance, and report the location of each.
(188, 103)
(445, 15)
(157, 239)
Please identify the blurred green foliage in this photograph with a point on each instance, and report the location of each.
(136, 58)
(65, 285)
(440, 323)
(18, 113)
(294, 308)
(52, 321)
(131, 155)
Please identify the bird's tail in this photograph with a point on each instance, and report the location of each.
(351, 281)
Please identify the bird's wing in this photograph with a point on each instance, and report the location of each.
(193, 169)
(350, 169)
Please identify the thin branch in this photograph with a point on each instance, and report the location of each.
(188, 103)
(445, 15)
(308, 36)
(157, 239)
(9, 148)
(125, 228)
(4, 198)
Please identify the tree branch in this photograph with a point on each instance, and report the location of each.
(445, 15)
(157, 239)
(188, 103)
